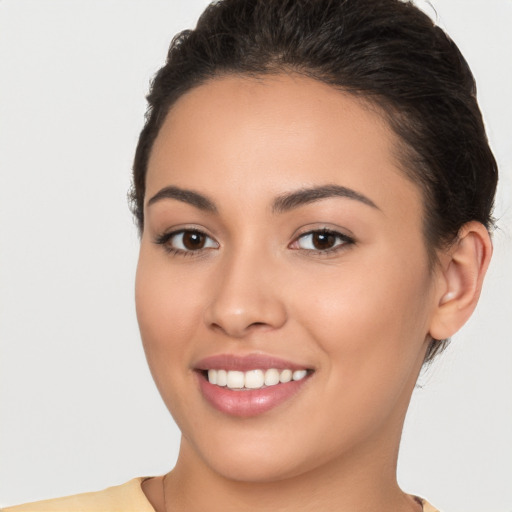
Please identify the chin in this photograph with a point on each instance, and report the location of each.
(258, 470)
(257, 458)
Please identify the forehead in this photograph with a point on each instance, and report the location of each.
(274, 133)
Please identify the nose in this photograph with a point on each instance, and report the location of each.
(245, 297)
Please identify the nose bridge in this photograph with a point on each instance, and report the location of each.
(245, 294)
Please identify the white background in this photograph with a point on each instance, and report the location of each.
(79, 410)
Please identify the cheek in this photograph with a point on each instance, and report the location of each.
(166, 296)
(371, 327)
(370, 316)
(168, 314)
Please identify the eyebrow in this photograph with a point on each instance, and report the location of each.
(185, 196)
(290, 201)
(281, 204)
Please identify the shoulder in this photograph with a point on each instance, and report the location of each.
(127, 497)
(427, 507)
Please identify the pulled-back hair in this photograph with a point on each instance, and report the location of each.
(386, 52)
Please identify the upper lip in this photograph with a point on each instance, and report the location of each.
(246, 363)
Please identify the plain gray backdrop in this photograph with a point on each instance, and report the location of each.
(79, 410)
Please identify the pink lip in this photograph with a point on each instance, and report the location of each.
(245, 363)
(247, 403)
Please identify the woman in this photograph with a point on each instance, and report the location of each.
(314, 191)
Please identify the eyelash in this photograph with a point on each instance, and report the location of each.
(165, 239)
(342, 239)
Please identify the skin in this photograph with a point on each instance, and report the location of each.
(359, 316)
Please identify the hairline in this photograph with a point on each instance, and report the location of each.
(406, 157)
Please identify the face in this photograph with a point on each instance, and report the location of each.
(281, 237)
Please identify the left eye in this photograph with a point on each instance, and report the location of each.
(321, 240)
(189, 240)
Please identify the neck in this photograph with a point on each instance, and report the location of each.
(362, 482)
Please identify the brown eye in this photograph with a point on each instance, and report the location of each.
(187, 241)
(193, 240)
(321, 241)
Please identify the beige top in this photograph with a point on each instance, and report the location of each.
(128, 497)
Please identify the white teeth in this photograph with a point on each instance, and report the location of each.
(253, 379)
(286, 376)
(222, 377)
(212, 376)
(236, 380)
(299, 374)
(271, 377)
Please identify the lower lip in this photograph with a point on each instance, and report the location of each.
(252, 402)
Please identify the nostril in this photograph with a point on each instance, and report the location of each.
(257, 324)
(238, 315)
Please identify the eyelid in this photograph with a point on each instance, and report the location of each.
(314, 227)
(165, 238)
(346, 239)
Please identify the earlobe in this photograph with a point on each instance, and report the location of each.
(462, 272)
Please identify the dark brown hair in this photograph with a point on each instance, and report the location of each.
(387, 52)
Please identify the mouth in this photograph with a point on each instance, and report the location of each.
(253, 379)
(249, 385)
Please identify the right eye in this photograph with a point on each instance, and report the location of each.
(322, 241)
(186, 241)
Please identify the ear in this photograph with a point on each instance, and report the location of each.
(462, 269)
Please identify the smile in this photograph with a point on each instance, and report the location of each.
(250, 385)
(253, 379)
